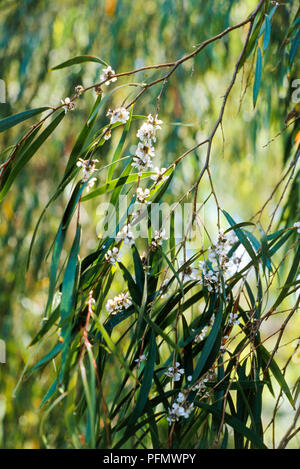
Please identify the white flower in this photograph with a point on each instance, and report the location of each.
(190, 273)
(112, 255)
(89, 167)
(221, 265)
(142, 195)
(68, 105)
(297, 225)
(180, 408)
(154, 121)
(118, 303)
(175, 372)
(140, 359)
(233, 319)
(91, 183)
(159, 176)
(119, 114)
(79, 90)
(144, 153)
(201, 335)
(158, 238)
(107, 134)
(146, 133)
(126, 235)
(144, 150)
(108, 73)
(141, 164)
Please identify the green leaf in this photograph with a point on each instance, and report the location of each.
(111, 185)
(60, 239)
(78, 60)
(258, 73)
(68, 283)
(11, 121)
(208, 346)
(120, 146)
(294, 46)
(276, 373)
(28, 154)
(241, 236)
(146, 383)
(267, 34)
(235, 423)
(292, 273)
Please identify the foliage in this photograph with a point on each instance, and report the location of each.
(168, 346)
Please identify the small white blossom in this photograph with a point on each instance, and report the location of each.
(79, 90)
(144, 150)
(126, 235)
(297, 225)
(141, 163)
(190, 273)
(201, 335)
(221, 265)
(112, 255)
(108, 73)
(154, 121)
(146, 133)
(119, 114)
(88, 167)
(175, 372)
(68, 105)
(118, 303)
(90, 183)
(107, 135)
(180, 408)
(142, 160)
(233, 319)
(142, 358)
(159, 176)
(158, 238)
(142, 195)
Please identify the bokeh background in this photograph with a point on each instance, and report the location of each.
(36, 35)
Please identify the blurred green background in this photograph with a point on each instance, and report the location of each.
(37, 35)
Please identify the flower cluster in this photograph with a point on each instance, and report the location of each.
(159, 175)
(89, 167)
(158, 238)
(180, 408)
(233, 319)
(220, 264)
(112, 255)
(175, 372)
(203, 332)
(142, 195)
(142, 160)
(145, 150)
(68, 105)
(200, 387)
(120, 114)
(118, 303)
(108, 74)
(126, 235)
